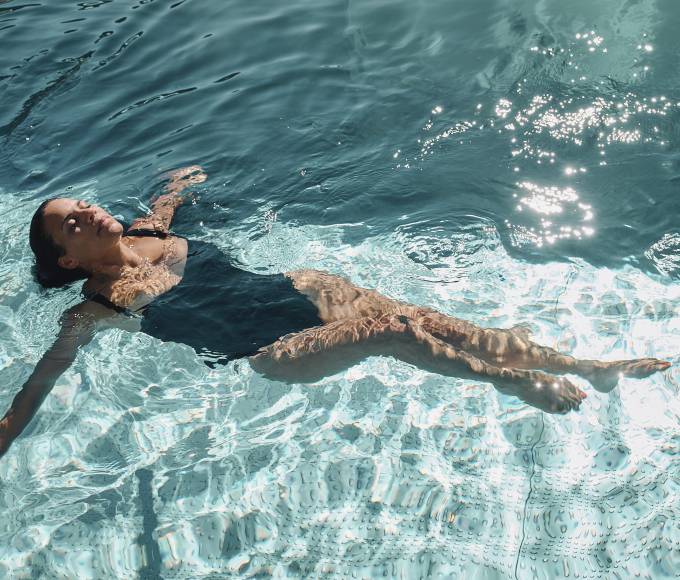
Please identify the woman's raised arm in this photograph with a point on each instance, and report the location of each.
(163, 208)
(78, 326)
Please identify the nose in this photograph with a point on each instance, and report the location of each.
(88, 213)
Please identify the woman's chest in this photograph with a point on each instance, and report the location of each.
(161, 269)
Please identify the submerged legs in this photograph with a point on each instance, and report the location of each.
(360, 322)
(514, 348)
(316, 352)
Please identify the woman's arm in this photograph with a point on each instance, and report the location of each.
(78, 326)
(163, 208)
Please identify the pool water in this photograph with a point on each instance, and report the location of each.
(508, 163)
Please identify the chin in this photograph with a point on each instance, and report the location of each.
(114, 229)
(111, 234)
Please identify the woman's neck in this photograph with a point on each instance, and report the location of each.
(114, 260)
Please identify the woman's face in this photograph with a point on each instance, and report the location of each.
(85, 231)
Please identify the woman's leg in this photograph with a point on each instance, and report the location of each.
(515, 349)
(317, 352)
(338, 299)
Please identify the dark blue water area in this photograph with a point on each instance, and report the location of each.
(381, 114)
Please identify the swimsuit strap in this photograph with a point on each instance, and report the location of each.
(144, 233)
(101, 299)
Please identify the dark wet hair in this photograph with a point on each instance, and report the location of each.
(47, 253)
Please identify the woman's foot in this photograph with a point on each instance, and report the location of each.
(551, 393)
(544, 391)
(604, 376)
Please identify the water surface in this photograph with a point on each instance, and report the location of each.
(503, 162)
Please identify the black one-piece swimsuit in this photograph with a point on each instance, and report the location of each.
(222, 311)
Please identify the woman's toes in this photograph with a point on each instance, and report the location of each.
(642, 368)
(606, 375)
(564, 395)
(575, 404)
(573, 393)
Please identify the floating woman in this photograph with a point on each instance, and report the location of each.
(296, 326)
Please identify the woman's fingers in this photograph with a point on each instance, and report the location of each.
(181, 178)
(191, 174)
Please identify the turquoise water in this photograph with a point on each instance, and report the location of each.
(503, 162)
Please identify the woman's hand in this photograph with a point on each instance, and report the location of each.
(182, 178)
(163, 207)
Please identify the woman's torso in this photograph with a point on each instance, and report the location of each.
(193, 294)
(163, 261)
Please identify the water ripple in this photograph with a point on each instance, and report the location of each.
(442, 157)
(36, 98)
(117, 53)
(148, 100)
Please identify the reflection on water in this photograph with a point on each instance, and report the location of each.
(385, 468)
(665, 254)
(549, 202)
(423, 149)
(569, 132)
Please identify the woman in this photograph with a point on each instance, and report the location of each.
(297, 326)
